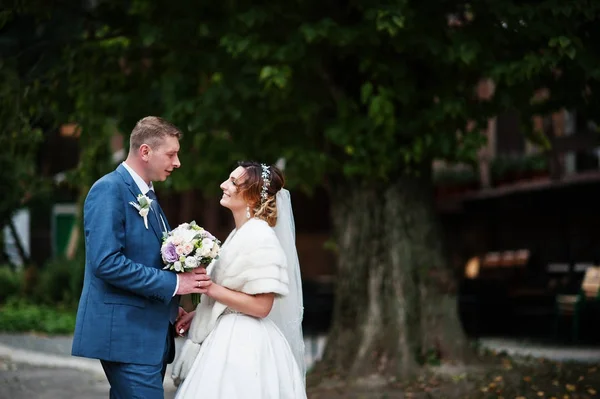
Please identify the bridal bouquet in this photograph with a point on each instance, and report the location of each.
(189, 246)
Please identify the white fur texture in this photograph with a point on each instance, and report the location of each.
(251, 261)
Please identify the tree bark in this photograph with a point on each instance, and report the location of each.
(395, 303)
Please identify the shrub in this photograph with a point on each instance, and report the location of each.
(10, 282)
(19, 315)
(60, 281)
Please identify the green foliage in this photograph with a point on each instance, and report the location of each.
(456, 177)
(60, 282)
(364, 91)
(518, 166)
(22, 316)
(19, 142)
(28, 98)
(10, 282)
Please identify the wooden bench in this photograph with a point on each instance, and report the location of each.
(572, 306)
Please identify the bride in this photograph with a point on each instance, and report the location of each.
(245, 337)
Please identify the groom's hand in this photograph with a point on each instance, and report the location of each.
(194, 282)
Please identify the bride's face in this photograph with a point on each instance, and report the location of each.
(232, 198)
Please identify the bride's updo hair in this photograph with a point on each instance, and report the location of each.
(252, 186)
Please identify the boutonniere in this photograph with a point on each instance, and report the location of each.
(143, 207)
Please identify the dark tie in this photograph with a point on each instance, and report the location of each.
(152, 195)
(174, 308)
(155, 207)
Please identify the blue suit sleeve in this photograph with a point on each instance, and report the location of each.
(104, 225)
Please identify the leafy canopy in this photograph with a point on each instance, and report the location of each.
(361, 89)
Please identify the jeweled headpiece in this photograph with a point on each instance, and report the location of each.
(266, 176)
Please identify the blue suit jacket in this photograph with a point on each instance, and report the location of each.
(124, 309)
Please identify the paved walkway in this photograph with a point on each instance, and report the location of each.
(35, 366)
(551, 352)
(24, 381)
(41, 367)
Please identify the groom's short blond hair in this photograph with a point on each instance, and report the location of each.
(151, 130)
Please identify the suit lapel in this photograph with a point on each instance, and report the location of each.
(135, 191)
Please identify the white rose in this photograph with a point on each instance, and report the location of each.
(177, 266)
(204, 251)
(176, 240)
(180, 250)
(215, 251)
(144, 212)
(188, 235)
(191, 262)
(187, 248)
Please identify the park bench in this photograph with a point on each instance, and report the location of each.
(575, 306)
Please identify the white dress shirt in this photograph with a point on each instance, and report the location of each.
(144, 188)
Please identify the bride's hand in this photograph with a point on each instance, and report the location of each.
(180, 313)
(183, 323)
(213, 290)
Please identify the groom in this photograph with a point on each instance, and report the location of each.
(129, 304)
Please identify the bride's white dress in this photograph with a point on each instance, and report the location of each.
(229, 355)
(244, 357)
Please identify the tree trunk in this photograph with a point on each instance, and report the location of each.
(395, 303)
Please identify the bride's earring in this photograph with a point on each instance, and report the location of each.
(247, 211)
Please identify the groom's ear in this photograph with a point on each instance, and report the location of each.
(144, 151)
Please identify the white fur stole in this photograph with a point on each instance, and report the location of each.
(251, 261)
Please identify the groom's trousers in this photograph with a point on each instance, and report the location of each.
(133, 381)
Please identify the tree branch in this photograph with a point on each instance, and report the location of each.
(335, 91)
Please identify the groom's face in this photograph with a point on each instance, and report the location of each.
(163, 159)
